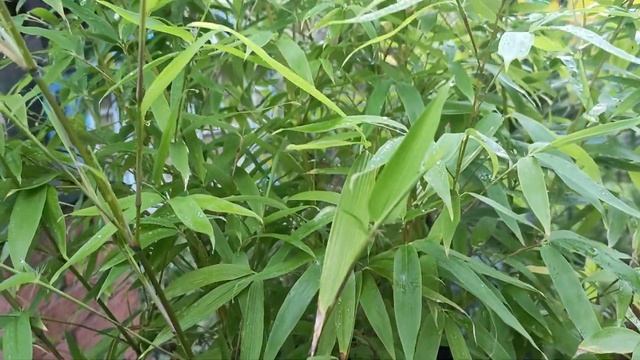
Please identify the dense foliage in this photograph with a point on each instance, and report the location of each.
(364, 179)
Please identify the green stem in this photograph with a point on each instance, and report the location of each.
(103, 185)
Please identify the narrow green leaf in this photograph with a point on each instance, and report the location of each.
(215, 204)
(535, 190)
(283, 70)
(151, 23)
(407, 297)
(611, 340)
(501, 209)
(471, 282)
(411, 100)
(292, 309)
(204, 307)
(456, 341)
(401, 173)
(188, 210)
(438, 178)
(23, 223)
(253, 323)
(498, 194)
(374, 15)
(179, 153)
(570, 290)
(170, 72)
(17, 280)
(345, 316)
(598, 130)
(596, 40)
(295, 57)
(581, 183)
(429, 338)
(317, 195)
(348, 122)
(17, 340)
(464, 82)
(53, 219)
(206, 276)
(374, 309)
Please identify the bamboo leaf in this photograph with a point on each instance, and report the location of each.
(188, 210)
(17, 341)
(292, 309)
(598, 130)
(23, 224)
(596, 40)
(374, 309)
(407, 297)
(170, 72)
(253, 323)
(348, 237)
(570, 290)
(345, 316)
(283, 70)
(535, 190)
(456, 341)
(402, 171)
(206, 276)
(53, 219)
(611, 340)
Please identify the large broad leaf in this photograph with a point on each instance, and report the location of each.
(407, 297)
(23, 223)
(348, 237)
(406, 165)
(570, 290)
